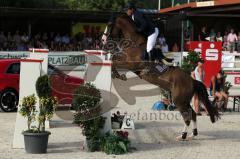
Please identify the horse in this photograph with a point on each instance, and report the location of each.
(182, 86)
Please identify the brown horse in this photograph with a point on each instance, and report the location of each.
(174, 79)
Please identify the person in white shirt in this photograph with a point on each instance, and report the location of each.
(198, 74)
(231, 39)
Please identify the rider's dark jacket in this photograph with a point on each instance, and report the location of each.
(144, 25)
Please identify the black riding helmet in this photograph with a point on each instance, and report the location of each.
(130, 6)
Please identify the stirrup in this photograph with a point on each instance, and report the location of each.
(166, 63)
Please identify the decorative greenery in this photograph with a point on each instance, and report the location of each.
(190, 62)
(116, 143)
(43, 86)
(47, 103)
(47, 107)
(28, 109)
(86, 103)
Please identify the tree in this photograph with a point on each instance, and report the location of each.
(95, 5)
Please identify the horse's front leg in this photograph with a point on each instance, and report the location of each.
(115, 74)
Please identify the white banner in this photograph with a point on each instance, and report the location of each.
(55, 58)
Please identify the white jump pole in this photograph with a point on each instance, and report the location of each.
(99, 73)
(31, 69)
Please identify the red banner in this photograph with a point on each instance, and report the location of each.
(196, 46)
(237, 81)
(211, 52)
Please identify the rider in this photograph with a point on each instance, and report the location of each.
(145, 27)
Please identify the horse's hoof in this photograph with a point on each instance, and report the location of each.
(123, 77)
(179, 138)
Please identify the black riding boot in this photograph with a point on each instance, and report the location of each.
(152, 54)
(145, 56)
(162, 57)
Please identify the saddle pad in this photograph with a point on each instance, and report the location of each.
(161, 68)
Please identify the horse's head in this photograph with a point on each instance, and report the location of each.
(121, 25)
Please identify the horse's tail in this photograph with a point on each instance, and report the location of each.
(202, 94)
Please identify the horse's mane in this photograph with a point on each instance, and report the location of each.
(128, 19)
(129, 23)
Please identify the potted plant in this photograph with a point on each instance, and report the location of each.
(36, 137)
(116, 143)
(86, 102)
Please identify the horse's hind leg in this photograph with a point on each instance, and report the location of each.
(186, 114)
(194, 119)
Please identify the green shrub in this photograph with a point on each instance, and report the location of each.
(86, 101)
(28, 109)
(190, 62)
(116, 144)
(47, 103)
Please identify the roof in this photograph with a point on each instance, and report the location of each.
(197, 5)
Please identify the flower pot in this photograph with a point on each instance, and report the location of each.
(36, 143)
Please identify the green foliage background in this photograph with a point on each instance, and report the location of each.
(96, 5)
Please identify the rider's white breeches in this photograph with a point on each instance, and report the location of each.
(151, 42)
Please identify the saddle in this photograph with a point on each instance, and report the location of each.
(158, 68)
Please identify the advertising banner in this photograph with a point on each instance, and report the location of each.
(211, 52)
(55, 58)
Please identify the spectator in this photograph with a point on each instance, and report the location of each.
(231, 39)
(45, 37)
(175, 48)
(57, 39)
(17, 40)
(24, 41)
(86, 42)
(198, 74)
(217, 90)
(238, 42)
(49, 40)
(202, 35)
(3, 40)
(37, 36)
(187, 38)
(65, 39)
(165, 48)
(161, 39)
(97, 44)
(218, 37)
(9, 41)
(212, 35)
(225, 41)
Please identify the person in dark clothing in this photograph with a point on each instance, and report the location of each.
(217, 89)
(145, 27)
(202, 35)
